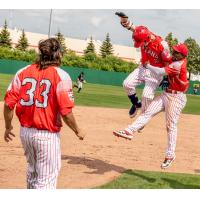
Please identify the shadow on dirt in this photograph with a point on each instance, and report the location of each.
(99, 166)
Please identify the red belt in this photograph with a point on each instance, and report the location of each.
(172, 91)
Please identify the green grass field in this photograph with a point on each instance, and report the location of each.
(153, 180)
(105, 96)
(114, 96)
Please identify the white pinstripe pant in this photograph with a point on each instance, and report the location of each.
(173, 104)
(42, 150)
(137, 77)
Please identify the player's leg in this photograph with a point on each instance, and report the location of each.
(130, 83)
(26, 139)
(47, 146)
(152, 82)
(155, 107)
(75, 86)
(174, 104)
(80, 86)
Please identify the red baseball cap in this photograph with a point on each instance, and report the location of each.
(140, 34)
(181, 48)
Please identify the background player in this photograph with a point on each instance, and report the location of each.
(41, 93)
(80, 81)
(154, 50)
(173, 100)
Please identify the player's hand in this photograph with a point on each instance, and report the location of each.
(145, 64)
(124, 20)
(8, 134)
(81, 134)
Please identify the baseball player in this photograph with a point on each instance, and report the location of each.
(154, 50)
(80, 81)
(41, 93)
(172, 101)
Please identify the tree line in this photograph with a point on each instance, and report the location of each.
(104, 61)
(106, 48)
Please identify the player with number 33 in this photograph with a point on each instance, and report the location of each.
(41, 93)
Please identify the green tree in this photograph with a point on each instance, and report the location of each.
(90, 47)
(171, 41)
(193, 59)
(61, 39)
(106, 47)
(5, 39)
(23, 42)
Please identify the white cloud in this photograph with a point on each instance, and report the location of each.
(96, 21)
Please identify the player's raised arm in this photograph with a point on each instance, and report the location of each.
(125, 22)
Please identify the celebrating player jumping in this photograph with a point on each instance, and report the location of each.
(172, 101)
(154, 50)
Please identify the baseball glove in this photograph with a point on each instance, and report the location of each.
(121, 14)
(164, 83)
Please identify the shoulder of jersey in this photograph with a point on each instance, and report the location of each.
(165, 44)
(62, 74)
(23, 69)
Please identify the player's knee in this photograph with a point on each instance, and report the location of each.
(147, 95)
(126, 84)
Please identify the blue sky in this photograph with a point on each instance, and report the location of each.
(83, 23)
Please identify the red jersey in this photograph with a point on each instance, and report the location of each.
(153, 52)
(177, 75)
(40, 96)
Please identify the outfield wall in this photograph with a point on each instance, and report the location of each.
(91, 75)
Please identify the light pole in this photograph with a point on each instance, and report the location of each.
(11, 19)
(49, 33)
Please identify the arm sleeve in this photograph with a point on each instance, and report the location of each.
(65, 97)
(174, 68)
(12, 95)
(157, 70)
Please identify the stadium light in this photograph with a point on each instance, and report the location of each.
(49, 33)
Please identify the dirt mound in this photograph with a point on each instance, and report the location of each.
(101, 156)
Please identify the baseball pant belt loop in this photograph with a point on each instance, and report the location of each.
(172, 91)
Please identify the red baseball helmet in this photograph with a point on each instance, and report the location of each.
(140, 35)
(181, 48)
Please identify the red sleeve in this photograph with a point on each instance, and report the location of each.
(65, 97)
(174, 68)
(171, 71)
(12, 95)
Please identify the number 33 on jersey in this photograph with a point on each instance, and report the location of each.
(33, 94)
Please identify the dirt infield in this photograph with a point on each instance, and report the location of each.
(101, 157)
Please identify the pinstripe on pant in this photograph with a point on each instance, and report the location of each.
(42, 150)
(173, 104)
(137, 77)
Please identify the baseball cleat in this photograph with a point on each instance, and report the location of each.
(167, 162)
(124, 134)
